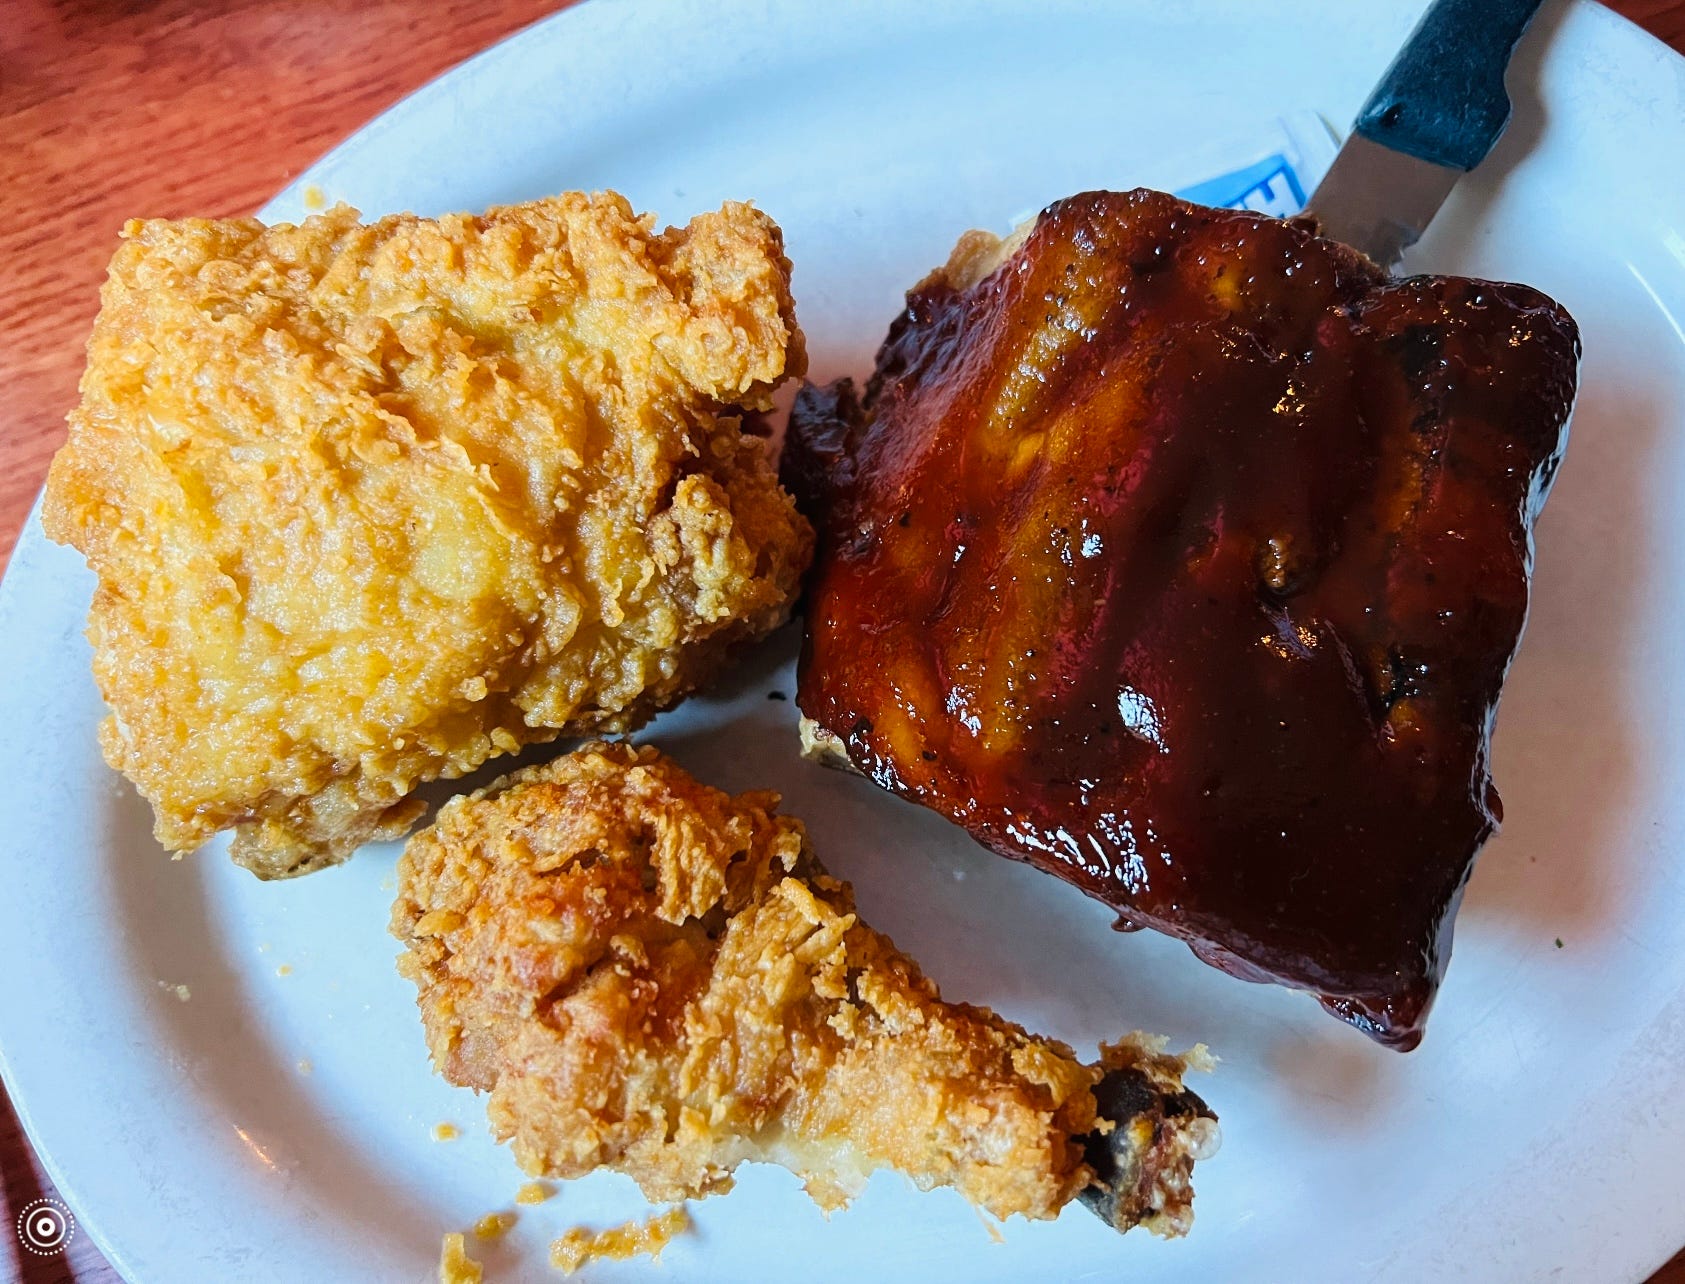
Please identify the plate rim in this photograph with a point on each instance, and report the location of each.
(31, 543)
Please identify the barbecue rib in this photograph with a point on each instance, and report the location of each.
(652, 976)
(1182, 553)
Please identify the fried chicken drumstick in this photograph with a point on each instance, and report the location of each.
(649, 975)
(370, 505)
(1182, 553)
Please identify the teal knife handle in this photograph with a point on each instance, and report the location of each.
(1442, 99)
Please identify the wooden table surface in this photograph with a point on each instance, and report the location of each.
(173, 107)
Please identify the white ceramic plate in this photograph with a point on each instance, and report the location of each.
(1538, 1133)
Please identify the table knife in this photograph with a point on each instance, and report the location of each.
(1436, 113)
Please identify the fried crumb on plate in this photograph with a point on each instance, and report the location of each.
(494, 1225)
(455, 1266)
(372, 504)
(652, 976)
(577, 1246)
(534, 1192)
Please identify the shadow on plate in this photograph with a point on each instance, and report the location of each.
(1567, 744)
(1335, 1081)
(1466, 218)
(212, 1041)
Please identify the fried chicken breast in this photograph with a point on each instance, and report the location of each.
(649, 975)
(370, 505)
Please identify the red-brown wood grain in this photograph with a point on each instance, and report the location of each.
(115, 108)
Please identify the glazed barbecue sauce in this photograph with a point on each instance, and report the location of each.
(1183, 557)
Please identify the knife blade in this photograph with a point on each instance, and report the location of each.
(1436, 112)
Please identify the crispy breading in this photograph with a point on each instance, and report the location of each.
(646, 1237)
(372, 504)
(649, 975)
(455, 1266)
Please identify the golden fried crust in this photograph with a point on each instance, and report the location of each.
(372, 504)
(651, 976)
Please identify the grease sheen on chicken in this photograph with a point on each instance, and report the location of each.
(1182, 553)
(372, 504)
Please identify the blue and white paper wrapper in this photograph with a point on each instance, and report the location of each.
(1284, 169)
(1272, 168)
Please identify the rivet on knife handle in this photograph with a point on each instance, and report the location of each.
(1443, 99)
